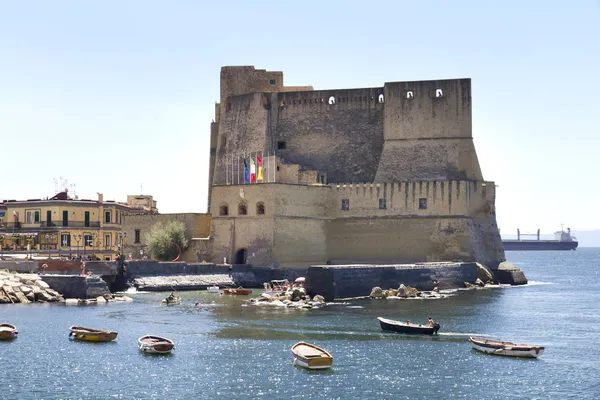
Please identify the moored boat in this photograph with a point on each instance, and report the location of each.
(213, 289)
(501, 348)
(172, 300)
(238, 291)
(155, 344)
(407, 327)
(92, 335)
(8, 331)
(276, 287)
(310, 356)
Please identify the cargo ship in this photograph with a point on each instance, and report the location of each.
(562, 241)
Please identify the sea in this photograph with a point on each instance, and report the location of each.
(227, 349)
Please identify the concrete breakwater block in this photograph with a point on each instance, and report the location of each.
(182, 282)
(345, 281)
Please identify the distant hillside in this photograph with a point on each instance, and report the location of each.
(585, 238)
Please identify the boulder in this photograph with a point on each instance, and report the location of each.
(319, 298)
(509, 273)
(412, 292)
(4, 297)
(376, 293)
(41, 284)
(30, 296)
(22, 298)
(484, 274)
(71, 302)
(26, 289)
(44, 296)
(401, 291)
(479, 282)
(100, 300)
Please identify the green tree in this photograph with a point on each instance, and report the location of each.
(163, 238)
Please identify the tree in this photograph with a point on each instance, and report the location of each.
(163, 239)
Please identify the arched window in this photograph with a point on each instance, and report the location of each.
(260, 208)
(332, 100)
(410, 94)
(242, 209)
(223, 209)
(380, 99)
(439, 93)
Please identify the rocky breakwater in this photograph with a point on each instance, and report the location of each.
(25, 288)
(404, 292)
(294, 298)
(106, 298)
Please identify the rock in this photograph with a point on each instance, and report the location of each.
(26, 289)
(319, 298)
(22, 298)
(509, 273)
(71, 302)
(412, 292)
(8, 290)
(30, 296)
(41, 284)
(479, 282)
(44, 296)
(100, 300)
(484, 274)
(376, 293)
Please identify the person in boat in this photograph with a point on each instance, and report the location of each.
(171, 297)
(430, 322)
(436, 286)
(407, 322)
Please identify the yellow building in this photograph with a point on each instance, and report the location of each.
(63, 226)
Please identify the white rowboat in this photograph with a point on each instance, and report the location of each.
(500, 348)
(155, 344)
(310, 356)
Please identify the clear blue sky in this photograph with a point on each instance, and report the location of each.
(114, 94)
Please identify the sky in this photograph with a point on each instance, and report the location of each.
(117, 96)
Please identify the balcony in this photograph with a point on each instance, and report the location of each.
(45, 226)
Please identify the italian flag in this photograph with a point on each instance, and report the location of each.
(259, 162)
(252, 170)
(15, 214)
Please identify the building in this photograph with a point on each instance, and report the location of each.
(65, 226)
(372, 175)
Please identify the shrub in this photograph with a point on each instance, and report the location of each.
(163, 237)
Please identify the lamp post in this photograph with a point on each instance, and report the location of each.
(122, 236)
(77, 239)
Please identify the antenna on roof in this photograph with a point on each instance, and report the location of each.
(55, 185)
(141, 188)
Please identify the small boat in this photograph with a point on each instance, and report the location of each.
(239, 291)
(155, 344)
(500, 348)
(407, 327)
(310, 356)
(92, 335)
(172, 300)
(213, 289)
(276, 287)
(8, 331)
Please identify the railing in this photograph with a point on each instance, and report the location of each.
(45, 225)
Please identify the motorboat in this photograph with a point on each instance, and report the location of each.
(238, 291)
(310, 356)
(408, 327)
(501, 348)
(92, 335)
(155, 344)
(276, 287)
(213, 289)
(172, 300)
(8, 331)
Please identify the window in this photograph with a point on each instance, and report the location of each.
(422, 204)
(65, 219)
(32, 216)
(224, 210)
(410, 94)
(107, 240)
(331, 100)
(281, 145)
(88, 240)
(137, 236)
(65, 239)
(272, 81)
(49, 218)
(242, 209)
(439, 93)
(260, 209)
(380, 98)
(382, 204)
(87, 219)
(107, 217)
(345, 204)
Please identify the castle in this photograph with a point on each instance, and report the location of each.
(374, 175)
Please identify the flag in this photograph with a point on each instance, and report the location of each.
(246, 174)
(252, 170)
(15, 214)
(259, 164)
